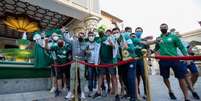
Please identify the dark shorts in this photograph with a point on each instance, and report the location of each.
(140, 68)
(53, 73)
(63, 71)
(179, 70)
(192, 67)
(122, 70)
(105, 70)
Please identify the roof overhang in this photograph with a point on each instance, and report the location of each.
(65, 7)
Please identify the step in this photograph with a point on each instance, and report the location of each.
(27, 96)
(8, 86)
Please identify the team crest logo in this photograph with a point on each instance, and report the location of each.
(169, 39)
(126, 55)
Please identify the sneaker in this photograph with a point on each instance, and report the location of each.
(83, 95)
(96, 95)
(117, 98)
(52, 90)
(195, 95)
(125, 96)
(57, 93)
(132, 99)
(172, 96)
(69, 95)
(90, 94)
(139, 98)
(144, 97)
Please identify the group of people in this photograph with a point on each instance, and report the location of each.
(110, 47)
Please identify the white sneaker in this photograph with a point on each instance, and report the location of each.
(69, 95)
(53, 89)
(83, 95)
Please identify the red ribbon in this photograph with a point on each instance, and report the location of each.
(107, 65)
(62, 65)
(172, 58)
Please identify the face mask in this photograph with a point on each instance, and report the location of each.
(43, 35)
(37, 37)
(117, 35)
(164, 31)
(91, 38)
(101, 34)
(61, 43)
(126, 35)
(55, 38)
(138, 34)
(80, 39)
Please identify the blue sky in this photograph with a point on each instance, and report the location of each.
(149, 14)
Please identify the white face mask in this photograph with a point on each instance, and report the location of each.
(37, 37)
(91, 38)
(117, 35)
(55, 38)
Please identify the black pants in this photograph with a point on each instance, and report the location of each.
(123, 70)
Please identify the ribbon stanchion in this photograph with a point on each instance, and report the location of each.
(146, 76)
(76, 80)
(173, 58)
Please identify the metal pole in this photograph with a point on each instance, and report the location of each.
(76, 80)
(147, 83)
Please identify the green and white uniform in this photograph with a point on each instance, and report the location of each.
(169, 45)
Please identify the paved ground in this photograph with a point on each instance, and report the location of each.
(159, 93)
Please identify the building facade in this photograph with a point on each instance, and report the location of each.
(194, 37)
(108, 20)
(76, 15)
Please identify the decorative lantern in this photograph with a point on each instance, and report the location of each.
(21, 24)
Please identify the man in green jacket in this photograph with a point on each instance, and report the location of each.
(167, 45)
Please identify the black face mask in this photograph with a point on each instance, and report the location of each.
(164, 31)
(80, 39)
(61, 43)
(101, 34)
